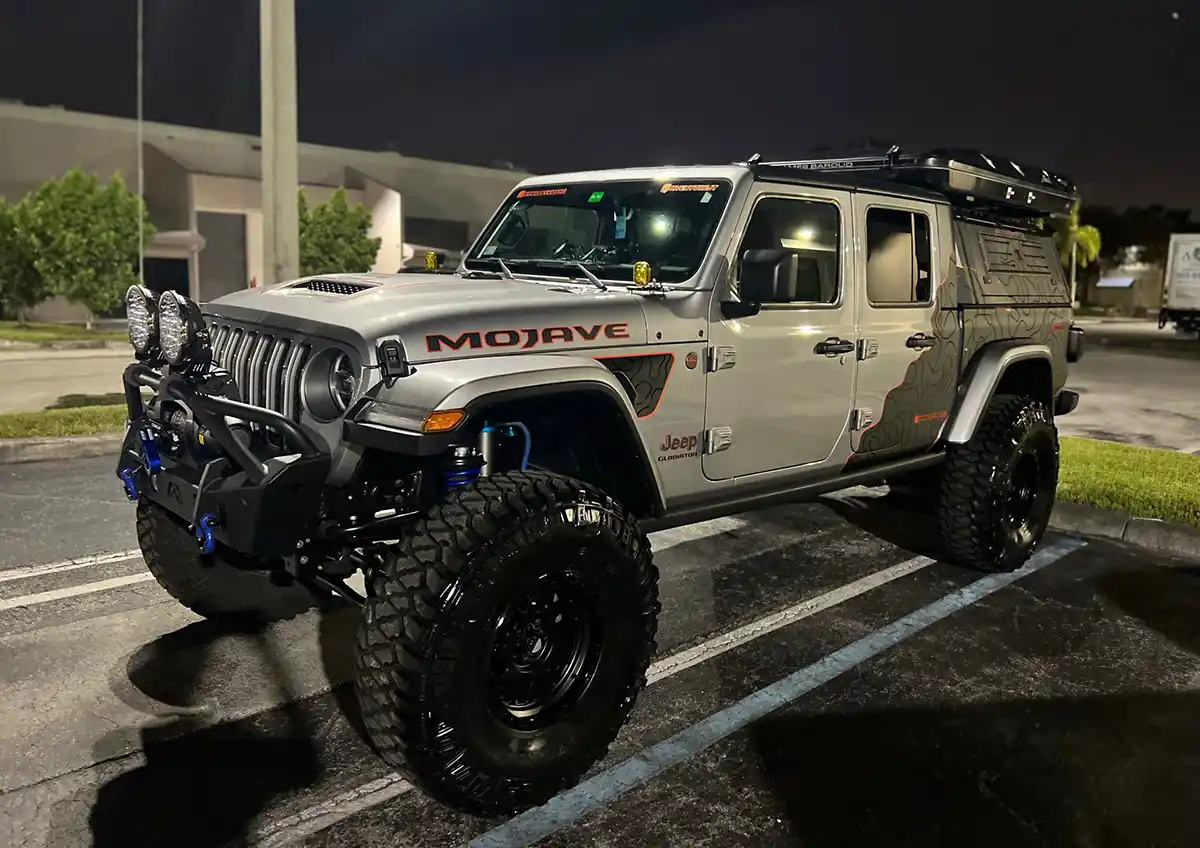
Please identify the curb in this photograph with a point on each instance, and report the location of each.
(66, 344)
(1150, 534)
(13, 451)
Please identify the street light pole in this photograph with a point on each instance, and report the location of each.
(280, 169)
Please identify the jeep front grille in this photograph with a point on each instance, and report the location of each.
(265, 365)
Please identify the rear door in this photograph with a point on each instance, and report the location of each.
(908, 350)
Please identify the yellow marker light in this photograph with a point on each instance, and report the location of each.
(431, 262)
(442, 420)
(641, 273)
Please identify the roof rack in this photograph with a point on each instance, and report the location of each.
(976, 184)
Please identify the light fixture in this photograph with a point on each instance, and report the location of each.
(182, 334)
(141, 316)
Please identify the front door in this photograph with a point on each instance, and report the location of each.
(785, 401)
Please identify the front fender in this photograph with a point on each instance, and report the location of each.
(392, 417)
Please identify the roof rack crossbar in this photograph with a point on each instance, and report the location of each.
(969, 179)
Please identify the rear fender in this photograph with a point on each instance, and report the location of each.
(984, 376)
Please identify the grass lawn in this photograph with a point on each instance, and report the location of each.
(36, 333)
(80, 421)
(1138, 481)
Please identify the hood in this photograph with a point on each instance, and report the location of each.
(442, 316)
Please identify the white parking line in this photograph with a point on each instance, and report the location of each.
(27, 571)
(300, 825)
(74, 591)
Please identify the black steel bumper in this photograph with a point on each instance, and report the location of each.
(240, 492)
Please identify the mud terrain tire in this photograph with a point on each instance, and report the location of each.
(998, 489)
(213, 586)
(524, 573)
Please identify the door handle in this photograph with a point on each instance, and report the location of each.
(833, 346)
(920, 341)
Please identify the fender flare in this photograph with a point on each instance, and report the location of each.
(473, 384)
(982, 377)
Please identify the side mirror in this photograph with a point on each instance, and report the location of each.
(769, 276)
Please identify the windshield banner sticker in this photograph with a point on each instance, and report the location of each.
(670, 187)
(541, 192)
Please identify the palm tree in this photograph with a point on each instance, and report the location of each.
(1078, 244)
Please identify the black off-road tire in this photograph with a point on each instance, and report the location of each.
(998, 489)
(216, 585)
(428, 646)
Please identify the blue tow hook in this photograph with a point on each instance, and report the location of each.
(204, 533)
(128, 479)
(149, 454)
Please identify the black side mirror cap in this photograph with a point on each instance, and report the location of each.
(733, 309)
(769, 276)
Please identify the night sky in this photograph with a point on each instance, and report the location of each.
(1108, 93)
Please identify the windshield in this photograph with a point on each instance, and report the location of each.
(606, 227)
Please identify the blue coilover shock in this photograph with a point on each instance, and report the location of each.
(462, 468)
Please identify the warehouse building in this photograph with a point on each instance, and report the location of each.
(203, 191)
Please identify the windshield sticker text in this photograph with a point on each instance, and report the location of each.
(670, 187)
(525, 338)
(542, 192)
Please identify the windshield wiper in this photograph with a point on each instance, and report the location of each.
(592, 278)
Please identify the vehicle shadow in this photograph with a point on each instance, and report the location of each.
(200, 783)
(1113, 770)
(904, 519)
(1167, 600)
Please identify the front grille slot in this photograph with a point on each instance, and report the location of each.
(266, 366)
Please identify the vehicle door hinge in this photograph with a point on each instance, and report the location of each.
(861, 419)
(721, 357)
(868, 348)
(718, 439)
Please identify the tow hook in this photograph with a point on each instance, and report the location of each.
(128, 480)
(204, 533)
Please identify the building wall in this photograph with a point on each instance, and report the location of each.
(192, 172)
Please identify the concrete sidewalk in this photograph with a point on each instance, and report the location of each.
(31, 380)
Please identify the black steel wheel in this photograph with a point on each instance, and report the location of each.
(220, 585)
(998, 490)
(507, 641)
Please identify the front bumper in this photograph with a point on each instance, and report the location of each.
(237, 490)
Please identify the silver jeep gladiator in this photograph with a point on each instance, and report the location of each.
(618, 352)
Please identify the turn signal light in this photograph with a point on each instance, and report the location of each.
(442, 420)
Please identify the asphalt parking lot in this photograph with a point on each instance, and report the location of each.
(815, 685)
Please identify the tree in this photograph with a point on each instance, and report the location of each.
(22, 287)
(335, 238)
(85, 238)
(1078, 244)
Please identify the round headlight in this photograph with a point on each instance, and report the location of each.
(182, 335)
(140, 314)
(342, 381)
(328, 384)
(172, 328)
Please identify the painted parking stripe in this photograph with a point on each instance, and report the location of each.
(590, 795)
(26, 572)
(328, 813)
(74, 591)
